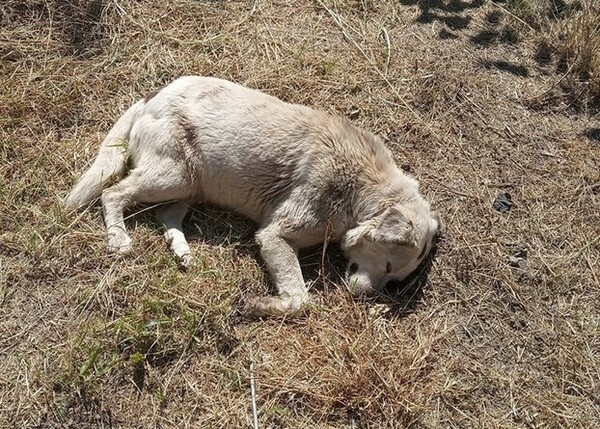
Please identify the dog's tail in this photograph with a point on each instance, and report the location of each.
(110, 163)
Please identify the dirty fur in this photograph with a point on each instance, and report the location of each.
(299, 173)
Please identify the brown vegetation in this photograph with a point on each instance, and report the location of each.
(476, 98)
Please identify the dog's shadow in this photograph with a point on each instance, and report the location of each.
(323, 267)
(218, 227)
(404, 296)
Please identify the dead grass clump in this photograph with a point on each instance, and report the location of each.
(569, 32)
(576, 39)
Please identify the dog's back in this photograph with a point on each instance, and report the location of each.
(249, 150)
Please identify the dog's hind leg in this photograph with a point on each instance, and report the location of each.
(160, 174)
(282, 261)
(171, 217)
(162, 181)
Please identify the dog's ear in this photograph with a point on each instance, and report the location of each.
(394, 228)
(354, 235)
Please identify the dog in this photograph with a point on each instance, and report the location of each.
(302, 175)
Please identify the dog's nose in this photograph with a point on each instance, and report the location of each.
(353, 268)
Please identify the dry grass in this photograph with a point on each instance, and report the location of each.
(577, 42)
(503, 328)
(569, 40)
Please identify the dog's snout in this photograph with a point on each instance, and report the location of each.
(353, 268)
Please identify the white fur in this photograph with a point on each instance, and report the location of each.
(299, 173)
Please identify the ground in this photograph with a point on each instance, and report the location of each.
(501, 327)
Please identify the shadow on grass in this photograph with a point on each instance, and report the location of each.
(543, 54)
(446, 12)
(82, 25)
(486, 38)
(559, 9)
(404, 297)
(505, 66)
(453, 6)
(219, 227)
(592, 134)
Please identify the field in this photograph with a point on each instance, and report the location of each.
(480, 100)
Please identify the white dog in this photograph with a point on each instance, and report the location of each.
(301, 174)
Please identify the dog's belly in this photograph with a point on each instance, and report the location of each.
(230, 193)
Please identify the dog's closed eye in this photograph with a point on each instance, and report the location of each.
(388, 268)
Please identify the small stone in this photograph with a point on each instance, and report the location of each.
(521, 251)
(517, 262)
(503, 202)
(353, 112)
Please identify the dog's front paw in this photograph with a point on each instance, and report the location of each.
(273, 306)
(119, 243)
(264, 306)
(186, 261)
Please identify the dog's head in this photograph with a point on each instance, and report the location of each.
(388, 247)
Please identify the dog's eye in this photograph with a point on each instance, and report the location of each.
(388, 268)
